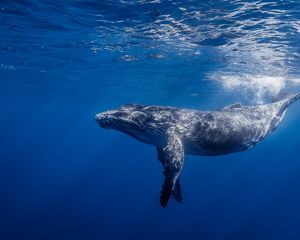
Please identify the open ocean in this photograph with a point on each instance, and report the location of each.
(61, 62)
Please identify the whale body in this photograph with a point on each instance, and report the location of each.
(176, 131)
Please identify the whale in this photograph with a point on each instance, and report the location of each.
(175, 132)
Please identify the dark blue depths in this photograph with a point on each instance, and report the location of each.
(61, 62)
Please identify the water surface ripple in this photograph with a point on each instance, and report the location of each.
(248, 45)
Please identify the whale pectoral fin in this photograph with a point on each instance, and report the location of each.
(160, 155)
(231, 106)
(172, 159)
(177, 193)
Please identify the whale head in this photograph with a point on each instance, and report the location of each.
(128, 118)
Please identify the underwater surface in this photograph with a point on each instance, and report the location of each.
(61, 62)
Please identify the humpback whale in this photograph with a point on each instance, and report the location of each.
(176, 132)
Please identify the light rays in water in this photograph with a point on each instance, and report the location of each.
(251, 40)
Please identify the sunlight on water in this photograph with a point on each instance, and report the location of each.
(253, 40)
(255, 85)
(245, 46)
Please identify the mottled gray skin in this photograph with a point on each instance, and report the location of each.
(176, 132)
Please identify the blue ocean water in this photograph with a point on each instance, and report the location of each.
(61, 62)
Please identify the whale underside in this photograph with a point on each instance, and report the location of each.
(175, 132)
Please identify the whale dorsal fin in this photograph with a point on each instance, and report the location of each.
(172, 157)
(231, 106)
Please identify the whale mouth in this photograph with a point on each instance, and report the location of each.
(105, 124)
(103, 120)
